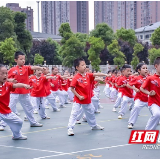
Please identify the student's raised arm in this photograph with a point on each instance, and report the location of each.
(144, 88)
(37, 67)
(100, 75)
(21, 85)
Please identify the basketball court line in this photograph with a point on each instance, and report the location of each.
(32, 149)
(61, 153)
(96, 149)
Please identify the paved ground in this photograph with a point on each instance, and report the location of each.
(51, 140)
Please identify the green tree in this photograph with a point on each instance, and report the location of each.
(83, 37)
(7, 24)
(72, 45)
(104, 32)
(71, 50)
(7, 50)
(65, 32)
(49, 49)
(153, 54)
(97, 45)
(127, 50)
(57, 57)
(24, 37)
(155, 38)
(143, 55)
(119, 57)
(127, 35)
(38, 59)
(137, 48)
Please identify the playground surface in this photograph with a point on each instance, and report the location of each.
(52, 142)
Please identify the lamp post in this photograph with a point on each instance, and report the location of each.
(107, 66)
(90, 66)
(38, 16)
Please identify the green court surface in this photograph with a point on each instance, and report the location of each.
(52, 142)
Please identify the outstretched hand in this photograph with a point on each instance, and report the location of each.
(152, 93)
(26, 86)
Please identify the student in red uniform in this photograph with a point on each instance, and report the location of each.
(81, 87)
(151, 87)
(114, 91)
(141, 99)
(38, 81)
(21, 73)
(119, 95)
(96, 91)
(70, 93)
(56, 86)
(106, 88)
(49, 96)
(10, 118)
(94, 102)
(33, 102)
(127, 93)
(110, 84)
(65, 87)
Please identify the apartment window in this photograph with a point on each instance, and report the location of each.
(147, 36)
(141, 36)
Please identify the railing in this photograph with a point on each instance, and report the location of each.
(103, 68)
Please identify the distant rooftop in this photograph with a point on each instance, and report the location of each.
(150, 27)
(42, 36)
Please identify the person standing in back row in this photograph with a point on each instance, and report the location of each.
(56, 86)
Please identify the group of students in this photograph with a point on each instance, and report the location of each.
(136, 91)
(34, 86)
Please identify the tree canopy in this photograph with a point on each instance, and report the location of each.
(119, 57)
(127, 35)
(24, 37)
(137, 48)
(38, 59)
(97, 45)
(104, 32)
(155, 38)
(153, 54)
(7, 50)
(7, 24)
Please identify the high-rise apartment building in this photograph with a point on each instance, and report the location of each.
(126, 14)
(54, 13)
(29, 12)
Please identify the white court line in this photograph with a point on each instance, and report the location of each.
(85, 151)
(31, 149)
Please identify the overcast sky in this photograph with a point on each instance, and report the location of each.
(33, 5)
